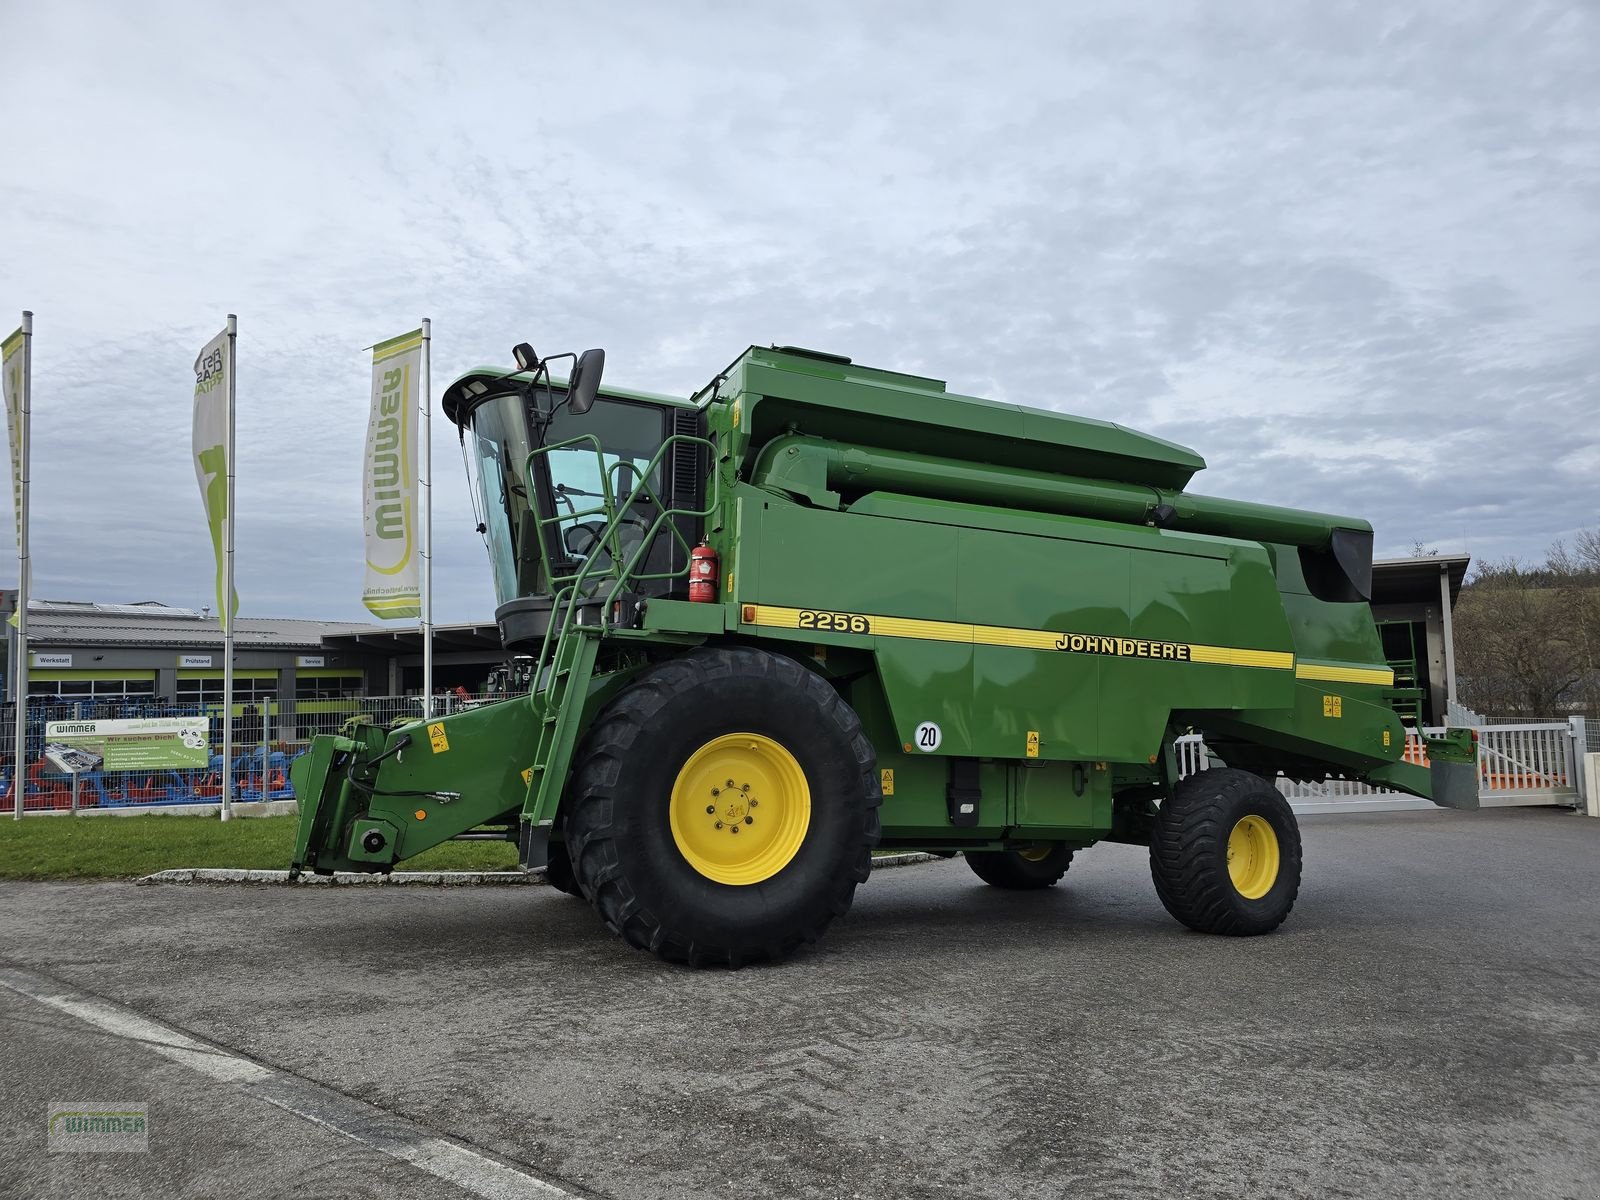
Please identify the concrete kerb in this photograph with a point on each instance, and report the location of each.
(347, 878)
(424, 878)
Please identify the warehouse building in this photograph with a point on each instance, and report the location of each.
(87, 651)
(298, 675)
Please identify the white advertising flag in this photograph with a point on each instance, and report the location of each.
(389, 481)
(211, 450)
(11, 374)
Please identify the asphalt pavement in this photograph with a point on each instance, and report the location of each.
(1427, 1023)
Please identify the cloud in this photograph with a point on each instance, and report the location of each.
(1348, 253)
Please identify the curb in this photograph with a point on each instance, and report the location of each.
(418, 878)
(904, 860)
(349, 878)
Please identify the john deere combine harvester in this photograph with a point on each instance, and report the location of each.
(820, 608)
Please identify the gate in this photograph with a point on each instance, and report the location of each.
(1527, 764)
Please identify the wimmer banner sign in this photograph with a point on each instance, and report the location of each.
(11, 375)
(148, 744)
(392, 588)
(211, 449)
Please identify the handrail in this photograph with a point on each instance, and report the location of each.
(564, 602)
(556, 517)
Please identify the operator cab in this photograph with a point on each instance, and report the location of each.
(570, 486)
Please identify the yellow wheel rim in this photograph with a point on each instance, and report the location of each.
(1253, 857)
(1037, 852)
(740, 808)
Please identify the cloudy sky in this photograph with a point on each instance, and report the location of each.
(1349, 252)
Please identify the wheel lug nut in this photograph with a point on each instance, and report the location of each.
(749, 820)
(719, 824)
(733, 829)
(716, 791)
(753, 803)
(711, 808)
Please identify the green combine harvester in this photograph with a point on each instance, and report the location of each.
(820, 608)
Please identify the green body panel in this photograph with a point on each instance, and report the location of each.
(1061, 576)
(1036, 585)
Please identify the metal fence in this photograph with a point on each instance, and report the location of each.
(268, 735)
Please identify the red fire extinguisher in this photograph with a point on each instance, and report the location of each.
(703, 574)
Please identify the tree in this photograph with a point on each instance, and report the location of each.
(1528, 637)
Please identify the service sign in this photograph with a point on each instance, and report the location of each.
(146, 744)
(194, 660)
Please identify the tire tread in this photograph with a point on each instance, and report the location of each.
(1188, 849)
(592, 831)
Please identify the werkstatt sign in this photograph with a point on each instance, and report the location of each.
(147, 744)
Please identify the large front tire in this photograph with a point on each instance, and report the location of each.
(723, 808)
(1226, 853)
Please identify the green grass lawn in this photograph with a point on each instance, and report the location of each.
(124, 847)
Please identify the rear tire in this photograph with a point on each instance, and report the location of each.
(1028, 869)
(1225, 856)
(682, 865)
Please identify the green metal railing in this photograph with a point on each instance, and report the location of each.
(570, 589)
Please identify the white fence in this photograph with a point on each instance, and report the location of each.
(1524, 764)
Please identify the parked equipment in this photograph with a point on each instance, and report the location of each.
(820, 608)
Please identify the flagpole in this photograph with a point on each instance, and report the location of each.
(19, 779)
(227, 586)
(425, 486)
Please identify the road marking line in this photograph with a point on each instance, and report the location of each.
(373, 1127)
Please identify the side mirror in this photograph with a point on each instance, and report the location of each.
(585, 381)
(527, 360)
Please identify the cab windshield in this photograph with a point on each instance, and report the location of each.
(567, 484)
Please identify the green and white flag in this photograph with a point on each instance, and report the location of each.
(211, 449)
(389, 481)
(11, 374)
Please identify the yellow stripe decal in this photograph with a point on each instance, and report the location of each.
(826, 621)
(1334, 673)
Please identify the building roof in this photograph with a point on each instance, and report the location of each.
(80, 623)
(1407, 580)
(482, 637)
